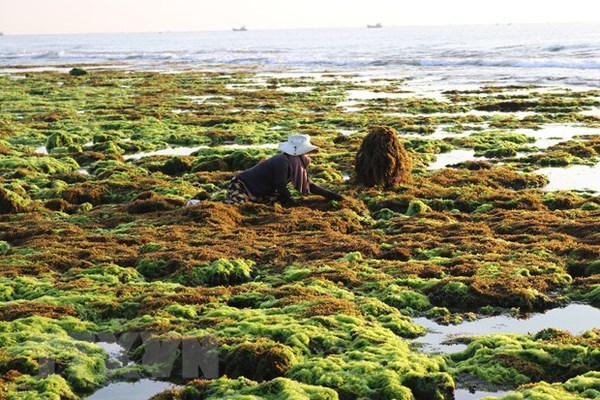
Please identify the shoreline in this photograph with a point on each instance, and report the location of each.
(455, 81)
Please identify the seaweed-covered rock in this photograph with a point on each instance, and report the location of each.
(58, 205)
(154, 203)
(85, 207)
(450, 293)
(404, 299)
(58, 140)
(214, 214)
(507, 106)
(48, 165)
(384, 214)
(219, 272)
(84, 193)
(38, 338)
(434, 386)
(176, 166)
(502, 152)
(243, 388)
(22, 309)
(259, 361)
(52, 387)
(417, 207)
(5, 248)
(153, 269)
(381, 159)
(11, 202)
(551, 356)
(228, 160)
(78, 72)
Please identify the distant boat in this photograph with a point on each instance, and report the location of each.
(377, 25)
(240, 29)
(1, 34)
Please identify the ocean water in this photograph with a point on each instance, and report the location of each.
(558, 54)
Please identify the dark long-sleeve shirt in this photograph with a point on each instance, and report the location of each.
(273, 175)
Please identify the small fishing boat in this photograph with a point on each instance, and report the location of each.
(240, 29)
(377, 25)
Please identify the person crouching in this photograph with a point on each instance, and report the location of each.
(267, 181)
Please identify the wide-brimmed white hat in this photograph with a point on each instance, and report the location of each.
(297, 145)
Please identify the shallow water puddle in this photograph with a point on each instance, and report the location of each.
(186, 151)
(453, 157)
(441, 133)
(594, 112)
(369, 95)
(44, 150)
(295, 89)
(41, 150)
(516, 114)
(575, 318)
(350, 106)
(248, 146)
(212, 99)
(574, 177)
(552, 134)
(9, 70)
(169, 151)
(117, 356)
(140, 390)
(254, 87)
(465, 394)
(355, 97)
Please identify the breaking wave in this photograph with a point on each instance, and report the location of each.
(294, 59)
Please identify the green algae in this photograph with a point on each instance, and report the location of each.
(54, 387)
(47, 165)
(228, 160)
(58, 140)
(219, 272)
(259, 361)
(78, 72)
(39, 338)
(12, 202)
(417, 207)
(511, 360)
(277, 389)
(578, 388)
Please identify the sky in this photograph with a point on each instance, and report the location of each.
(92, 16)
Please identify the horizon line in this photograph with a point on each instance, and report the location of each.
(303, 28)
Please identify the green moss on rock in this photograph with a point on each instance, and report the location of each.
(219, 272)
(58, 140)
(417, 207)
(260, 361)
(11, 202)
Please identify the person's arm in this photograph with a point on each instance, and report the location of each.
(281, 181)
(324, 192)
(285, 195)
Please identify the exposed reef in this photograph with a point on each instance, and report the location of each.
(98, 236)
